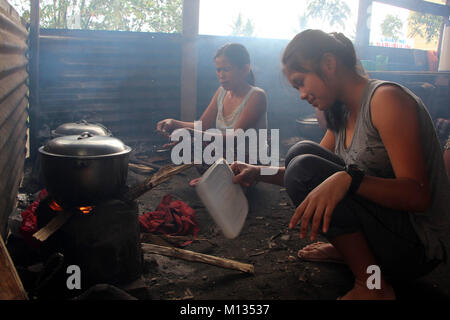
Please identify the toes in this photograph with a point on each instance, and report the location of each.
(314, 246)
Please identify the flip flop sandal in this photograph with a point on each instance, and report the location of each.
(324, 259)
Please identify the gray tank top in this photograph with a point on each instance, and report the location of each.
(229, 122)
(368, 152)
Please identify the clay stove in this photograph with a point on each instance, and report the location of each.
(102, 240)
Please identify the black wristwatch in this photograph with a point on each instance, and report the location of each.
(357, 176)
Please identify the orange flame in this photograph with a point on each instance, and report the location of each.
(55, 206)
(85, 210)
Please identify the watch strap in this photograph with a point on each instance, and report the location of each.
(357, 176)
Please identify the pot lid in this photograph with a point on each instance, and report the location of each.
(76, 128)
(85, 145)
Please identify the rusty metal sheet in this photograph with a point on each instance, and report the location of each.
(10, 42)
(18, 117)
(9, 62)
(11, 82)
(11, 102)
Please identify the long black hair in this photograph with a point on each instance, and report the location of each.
(238, 56)
(310, 46)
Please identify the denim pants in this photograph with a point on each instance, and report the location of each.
(389, 233)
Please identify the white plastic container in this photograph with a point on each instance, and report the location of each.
(224, 200)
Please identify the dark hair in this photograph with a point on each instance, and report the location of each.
(310, 46)
(238, 56)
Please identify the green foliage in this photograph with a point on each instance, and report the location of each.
(424, 25)
(336, 12)
(239, 28)
(124, 15)
(391, 27)
(303, 21)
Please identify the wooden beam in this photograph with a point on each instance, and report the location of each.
(34, 76)
(11, 287)
(420, 6)
(191, 11)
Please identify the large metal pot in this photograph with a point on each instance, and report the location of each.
(84, 170)
(309, 128)
(77, 128)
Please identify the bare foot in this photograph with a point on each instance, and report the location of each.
(361, 292)
(321, 252)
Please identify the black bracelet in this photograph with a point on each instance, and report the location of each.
(357, 176)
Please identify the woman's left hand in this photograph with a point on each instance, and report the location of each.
(320, 204)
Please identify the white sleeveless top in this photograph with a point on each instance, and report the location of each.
(228, 122)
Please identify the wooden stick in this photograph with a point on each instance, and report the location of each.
(159, 177)
(140, 168)
(198, 257)
(51, 227)
(11, 287)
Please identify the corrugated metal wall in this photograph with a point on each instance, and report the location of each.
(13, 108)
(126, 81)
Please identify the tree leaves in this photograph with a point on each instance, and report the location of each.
(391, 27)
(336, 12)
(424, 25)
(239, 28)
(123, 15)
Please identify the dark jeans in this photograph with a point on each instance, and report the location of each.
(389, 233)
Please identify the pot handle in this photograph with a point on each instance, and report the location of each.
(85, 135)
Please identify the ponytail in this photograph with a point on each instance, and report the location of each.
(251, 78)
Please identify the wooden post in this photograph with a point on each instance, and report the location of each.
(362, 28)
(441, 31)
(11, 287)
(34, 76)
(191, 9)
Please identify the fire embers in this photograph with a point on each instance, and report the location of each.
(44, 204)
(57, 208)
(29, 220)
(85, 210)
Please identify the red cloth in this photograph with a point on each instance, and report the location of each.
(171, 218)
(29, 221)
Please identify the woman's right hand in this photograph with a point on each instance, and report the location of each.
(245, 174)
(166, 126)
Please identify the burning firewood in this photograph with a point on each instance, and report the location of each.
(56, 223)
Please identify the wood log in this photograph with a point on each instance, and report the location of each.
(198, 257)
(11, 287)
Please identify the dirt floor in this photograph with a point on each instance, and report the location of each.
(264, 242)
(267, 243)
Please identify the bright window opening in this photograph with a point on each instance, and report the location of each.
(281, 19)
(401, 28)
